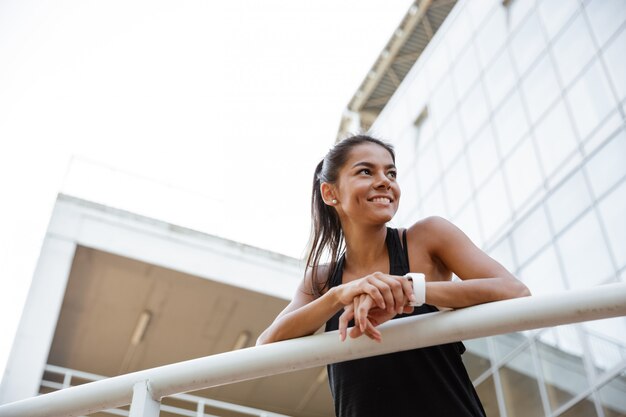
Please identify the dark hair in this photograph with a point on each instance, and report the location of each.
(326, 232)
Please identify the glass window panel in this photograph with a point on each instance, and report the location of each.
(542, 275)
(407, 179)
(564, 374)
(583, 408)
(426, 134)
(493, 206)
(467, 221)
(584, 253)
(548, 336)
(466, 71)
(573, 49)
(523, 173)
(499, 78)
(434, 204)
(483, 155)
(607, 342)
(540, 88)
(438, 63)
(518, 10)
(458, 186)
(616, 63)
(613, 212)
(479, 9)
(428, 169)
(527, 43)
(590, 99)
(568, 201)
(491, 37)
(406, 147)
(531, 234)
(556, 13)
(506, 343)
(476, 357)
(450, 141)
(565, 338)
(474, 110)
(442, 102)
(612, 396)
(606, 168)
(487, 393)
(610, 127)
(510, 123)
(555, 139)
(605, 16)
(519, 385)
(459, 33)
(503, 254)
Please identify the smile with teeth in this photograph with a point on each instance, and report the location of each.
(381, 200)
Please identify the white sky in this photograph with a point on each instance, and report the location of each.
(207, 114)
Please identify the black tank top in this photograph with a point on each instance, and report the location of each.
(430, 381)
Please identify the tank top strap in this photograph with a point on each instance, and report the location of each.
(398, 255)
(337, 274)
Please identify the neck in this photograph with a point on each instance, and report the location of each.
(365, 248)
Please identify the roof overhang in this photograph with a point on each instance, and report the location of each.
(406, 45)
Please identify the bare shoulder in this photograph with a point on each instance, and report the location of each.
(432, 230)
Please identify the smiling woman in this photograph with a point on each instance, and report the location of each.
(366, 283)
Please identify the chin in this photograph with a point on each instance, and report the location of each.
(383, 219)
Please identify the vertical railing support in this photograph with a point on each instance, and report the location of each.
(143, 404)
(200, 409)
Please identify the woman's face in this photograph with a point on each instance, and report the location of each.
(366, 189)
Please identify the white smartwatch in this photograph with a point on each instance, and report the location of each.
(419, 287)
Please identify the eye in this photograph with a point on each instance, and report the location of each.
(393, 174)
(365, 171)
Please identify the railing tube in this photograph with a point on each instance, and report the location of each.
(419, 331)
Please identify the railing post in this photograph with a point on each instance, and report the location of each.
(143, 404)
(200, 409)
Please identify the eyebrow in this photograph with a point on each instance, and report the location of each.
(370, 165)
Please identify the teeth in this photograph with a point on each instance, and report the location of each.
(381, 200)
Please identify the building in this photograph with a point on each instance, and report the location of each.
(115, 292)
(510, 121)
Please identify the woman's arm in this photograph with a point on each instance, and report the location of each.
(305, 314)
(483, 278)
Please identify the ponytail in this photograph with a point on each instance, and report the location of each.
(326, 233)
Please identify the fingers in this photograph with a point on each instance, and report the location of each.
(407, 288)
(362, 306)
(379, 292)
(389, 292)
(390, 288)
(363, 324)
(370, 331)
(344, 319)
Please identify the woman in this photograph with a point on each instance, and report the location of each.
(355, 193)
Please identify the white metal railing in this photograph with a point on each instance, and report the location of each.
(145, 388)
(197, 405)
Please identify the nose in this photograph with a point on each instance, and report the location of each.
(382, 182)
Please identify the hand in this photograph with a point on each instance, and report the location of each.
(387, 292)
(367, 317)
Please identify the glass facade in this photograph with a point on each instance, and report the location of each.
(512, 125)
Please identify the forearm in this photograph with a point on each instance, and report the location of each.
(304, 321)
(458, 294)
